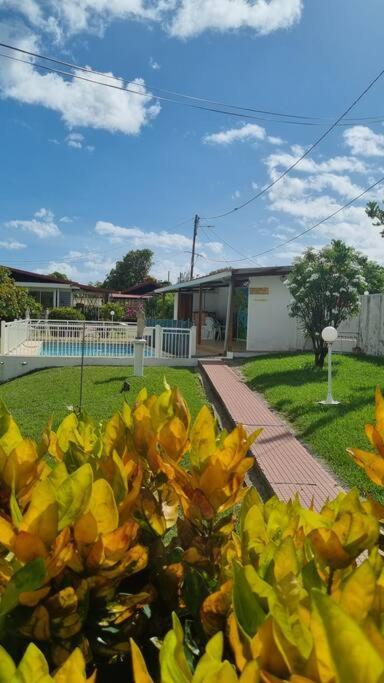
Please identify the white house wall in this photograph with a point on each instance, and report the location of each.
(269, 326)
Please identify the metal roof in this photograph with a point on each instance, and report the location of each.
(222, 278)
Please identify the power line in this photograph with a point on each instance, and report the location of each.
(316, 225)
(303, 156)
(282, 118)
(67, 74)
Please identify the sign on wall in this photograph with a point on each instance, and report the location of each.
(259, 290)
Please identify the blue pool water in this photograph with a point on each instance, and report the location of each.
(59, 348)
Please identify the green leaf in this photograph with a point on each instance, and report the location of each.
(250, 499)
(73, 495)
(16, 514)
(354, 657)
(195, 590)
(248, 610)
(28, 578)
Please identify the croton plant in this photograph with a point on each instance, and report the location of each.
(133, 548)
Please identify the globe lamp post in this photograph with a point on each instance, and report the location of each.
(329, 334)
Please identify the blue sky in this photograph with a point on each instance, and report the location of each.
(88, 173)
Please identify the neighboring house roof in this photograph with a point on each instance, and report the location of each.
(146, 287)
(26, 276)
(222, 278)
(122, 295)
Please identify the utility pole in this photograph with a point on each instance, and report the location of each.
(195, 229)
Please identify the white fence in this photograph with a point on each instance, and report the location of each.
(92, 339)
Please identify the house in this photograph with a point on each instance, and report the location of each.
(52, 292)
(248, 307)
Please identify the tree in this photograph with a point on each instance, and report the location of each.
(59, 276)
(325, 286)
(14, 300)
(374, 211)
(133, 268)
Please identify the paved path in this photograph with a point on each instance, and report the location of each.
(285, 462)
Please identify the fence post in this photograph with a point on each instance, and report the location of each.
(158, 340)
(3, 340)
(192, 341)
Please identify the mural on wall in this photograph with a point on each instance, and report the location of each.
(240, 305)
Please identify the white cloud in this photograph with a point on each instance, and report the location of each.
(75, 140)
(195, 16)
(42, 224)
(182, 18)
(139, 238)
(337, 164)
(249, 132)
(154, 64)
(66, 219)
(12, 245)
(79, 103)
(364, 141)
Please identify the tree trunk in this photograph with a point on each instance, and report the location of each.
(320, 350)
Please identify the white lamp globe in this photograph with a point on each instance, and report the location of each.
(329, 334)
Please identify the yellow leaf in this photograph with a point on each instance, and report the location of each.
(7, 666)
(10, 435)
(203, 438)
(103, 507)
(7, 533)
(73, 495)
(33, 667)
(73, 670)
(217, 673)
(354, 658)
(173, 663)
(41, 518)
(140, 671)
(379, 411)
(114, 435)
(251, 673)
(371, 463)
(20, 466)
(358, 592)
(65, 431)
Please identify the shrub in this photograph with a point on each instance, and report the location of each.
(65, 313)
(106, 309)
(107, 529)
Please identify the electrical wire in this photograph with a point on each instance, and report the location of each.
(303, 156)
(316, 225)
(281, 118)
(148, 95)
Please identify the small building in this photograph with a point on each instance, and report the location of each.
(53, 292)
(238, 310)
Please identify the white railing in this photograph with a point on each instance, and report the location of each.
(73, 338)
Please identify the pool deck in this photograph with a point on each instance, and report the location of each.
(281, 458)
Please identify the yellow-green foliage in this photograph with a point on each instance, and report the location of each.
(107, 529)
(92, 505)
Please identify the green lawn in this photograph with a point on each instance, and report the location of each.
(292, 385)
(32, 399)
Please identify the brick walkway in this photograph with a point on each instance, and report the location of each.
(286, 464)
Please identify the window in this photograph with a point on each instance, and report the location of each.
(45, 298)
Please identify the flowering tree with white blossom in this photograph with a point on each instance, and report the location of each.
(325, 287)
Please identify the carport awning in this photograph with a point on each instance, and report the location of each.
(223, 278)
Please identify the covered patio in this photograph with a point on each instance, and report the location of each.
(240, 311)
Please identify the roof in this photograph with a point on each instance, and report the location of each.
(148, 286)
(27, 276)
(222, 278)
(122, 295)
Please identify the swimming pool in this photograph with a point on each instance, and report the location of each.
(91, 349)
